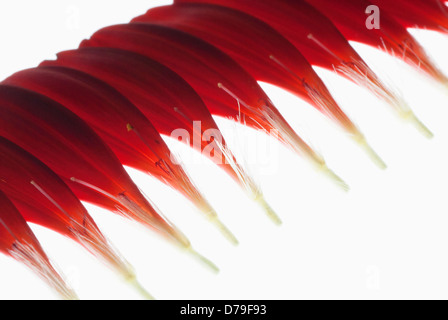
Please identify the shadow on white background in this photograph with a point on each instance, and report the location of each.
(384, 239)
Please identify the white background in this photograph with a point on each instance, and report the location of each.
(387, 238)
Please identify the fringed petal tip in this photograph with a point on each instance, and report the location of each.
(412, 118)
(445, 87)
(224, 230)
(370, 152)
(213, 217)
(268, 210)
(29, 256)
(205, 261)
(330, 174)
(288, 136)
(134, 283)
(96, 243)
(361, 74)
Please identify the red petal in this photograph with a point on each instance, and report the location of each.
(318, 39)
(261, 50)
(349, 16)
(19, 242)
(112, 115)
(424, 14)
(204, 67)
(70, 147)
